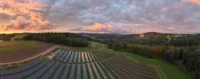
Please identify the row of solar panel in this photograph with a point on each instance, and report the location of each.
(80, 57)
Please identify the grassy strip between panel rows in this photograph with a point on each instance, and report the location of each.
(167, 70)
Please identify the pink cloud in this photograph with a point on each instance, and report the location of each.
(98, 27)
(26, 15)
(187, 20)
(196, 2)
(171, 28)
(164, 10)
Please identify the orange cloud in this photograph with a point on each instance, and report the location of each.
(98, 27)
(109, 27)
(164, 10)
(19, 22)
(196, 2)
(25, 14)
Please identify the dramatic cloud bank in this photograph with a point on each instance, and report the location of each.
(23, 15)
(99, 28)
(101, 16)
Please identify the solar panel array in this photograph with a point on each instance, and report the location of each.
(83, 65)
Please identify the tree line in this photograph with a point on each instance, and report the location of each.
(143, 50)
(6, 37)
(154, 38)
(69, 39)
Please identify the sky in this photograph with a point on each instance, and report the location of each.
(100, 16)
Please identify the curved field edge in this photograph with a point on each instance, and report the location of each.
(165, 69)
(12, 51)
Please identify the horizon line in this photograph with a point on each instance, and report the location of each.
(95, 33)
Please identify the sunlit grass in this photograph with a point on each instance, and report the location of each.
(15, 46)
(85, 49)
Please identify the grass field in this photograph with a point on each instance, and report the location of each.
(166, 70)
(15, 46)
(19, 50)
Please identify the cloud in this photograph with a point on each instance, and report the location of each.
(164, 10)
(171, 28)
(23, 25)
(123, 15)
(93, 11)
(100, 28)
(24, 15)
(196, 2)
(187, 20)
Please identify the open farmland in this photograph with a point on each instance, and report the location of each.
(18, 50)
(83, 65)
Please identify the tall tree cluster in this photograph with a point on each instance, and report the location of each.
(143, 50)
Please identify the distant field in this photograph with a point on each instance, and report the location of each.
(166, 70)
(16, 46)
(17, 50)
